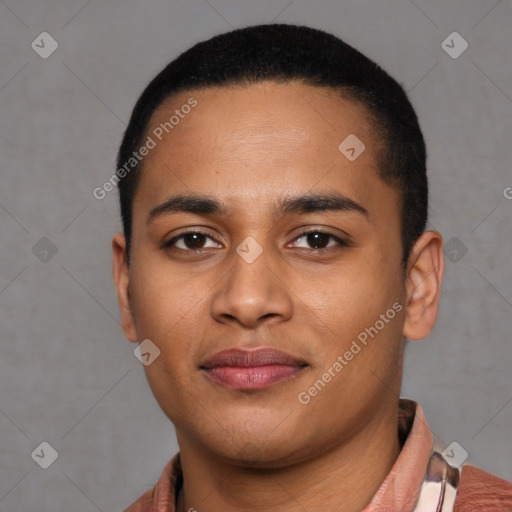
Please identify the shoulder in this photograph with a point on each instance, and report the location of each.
(481, 491)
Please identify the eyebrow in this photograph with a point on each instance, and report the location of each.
(307, 203)
(313, 203)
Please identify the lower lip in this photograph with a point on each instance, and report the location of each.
(254, 377)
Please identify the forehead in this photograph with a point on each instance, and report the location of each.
(259, 140)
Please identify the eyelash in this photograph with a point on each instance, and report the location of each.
(169, 245)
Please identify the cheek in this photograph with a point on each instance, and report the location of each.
(170, 388)
(162, 298)
(347, 299)
(169, 309)
(173, 327)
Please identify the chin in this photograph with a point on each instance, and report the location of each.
(262, 455)
(255, 449)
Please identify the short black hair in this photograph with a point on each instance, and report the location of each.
(285, 53)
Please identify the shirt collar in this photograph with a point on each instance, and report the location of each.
(400, 490)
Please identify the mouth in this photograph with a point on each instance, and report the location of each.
(251, 369)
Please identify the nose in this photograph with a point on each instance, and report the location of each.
(253, 292)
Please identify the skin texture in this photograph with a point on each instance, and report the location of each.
(249, 146)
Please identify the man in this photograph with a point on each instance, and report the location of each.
(274, 260)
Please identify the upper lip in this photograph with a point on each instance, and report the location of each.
(247, 358)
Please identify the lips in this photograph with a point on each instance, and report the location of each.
(251, 369)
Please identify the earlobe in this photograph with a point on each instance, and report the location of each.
(423, 285)
(121, 278)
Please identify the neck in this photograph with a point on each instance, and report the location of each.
(343, 478)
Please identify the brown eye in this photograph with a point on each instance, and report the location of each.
(194, 240)
(318, 240)
(190, 241)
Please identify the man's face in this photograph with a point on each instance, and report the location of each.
(251, 149)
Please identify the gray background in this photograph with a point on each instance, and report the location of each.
(68, 377)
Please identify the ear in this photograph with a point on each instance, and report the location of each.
(121, 278)
(425, 271)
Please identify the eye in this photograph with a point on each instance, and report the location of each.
(197, 241)
(190, 241)
(320, 240)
